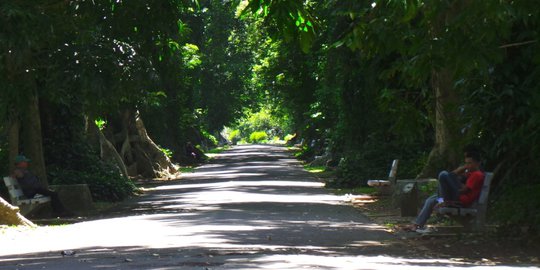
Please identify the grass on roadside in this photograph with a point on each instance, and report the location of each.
(57, 223)
(315, 169)
(187, 169)
(212, 153)
(321, 172)
(355, 191)
(218, 150)
(324, 172)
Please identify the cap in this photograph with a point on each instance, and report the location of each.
(21, 158)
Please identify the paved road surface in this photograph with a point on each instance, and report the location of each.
(253, 207)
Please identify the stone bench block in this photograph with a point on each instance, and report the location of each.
(76, 198)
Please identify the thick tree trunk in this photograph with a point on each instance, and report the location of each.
(31, 137)
(33, 144)
(107, 151)
(446, 152)
(141, 156)
(13, 137)
(161, 164)
(92, 131)
(9, 215)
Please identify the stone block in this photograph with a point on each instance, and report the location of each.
(76, 198)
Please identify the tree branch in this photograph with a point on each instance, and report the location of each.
(517, 44)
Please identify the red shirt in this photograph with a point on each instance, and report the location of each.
(474, 183)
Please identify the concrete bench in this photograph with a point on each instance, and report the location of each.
(384, 187)
(26, 205)
(473, 217)
(408, 192)
(76, 198)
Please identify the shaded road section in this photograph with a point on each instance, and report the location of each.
(252, 207)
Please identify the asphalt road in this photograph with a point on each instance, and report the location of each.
(252, 207)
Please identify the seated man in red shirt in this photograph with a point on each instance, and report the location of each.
(452, 192)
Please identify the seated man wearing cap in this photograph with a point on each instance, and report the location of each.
(31, 185)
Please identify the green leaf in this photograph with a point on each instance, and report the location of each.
(410, 11)
(181, 26)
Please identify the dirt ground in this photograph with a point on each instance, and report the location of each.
(449, 240)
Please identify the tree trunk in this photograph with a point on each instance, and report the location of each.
(33, 144)
(141, 156)
(9, 215)
(31, 137)
(92, 132)
(160, 162)
(107, 151)
(446, 151)
(13, 137)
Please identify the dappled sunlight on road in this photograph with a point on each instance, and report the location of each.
(160, 231)
(247, 210)
(246, 192)
(239, 184)
(232, 174)
(265, 206)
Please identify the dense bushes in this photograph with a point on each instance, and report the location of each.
(103, 179)
(81, 166)
(258, 127)
(372, 160)
(258, 137)
(234, 135)
(77, 163)
(517, 209)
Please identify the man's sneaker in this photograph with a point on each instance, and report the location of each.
(424, 230)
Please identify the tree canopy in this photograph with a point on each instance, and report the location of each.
(127, 84)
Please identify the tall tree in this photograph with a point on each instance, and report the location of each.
(26, 30)
(222, 93)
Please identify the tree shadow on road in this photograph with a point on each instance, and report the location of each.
(241, 212)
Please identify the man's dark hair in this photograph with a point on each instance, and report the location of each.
(473, 155)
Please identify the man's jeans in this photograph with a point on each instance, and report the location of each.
(449, 185)
(425, 213)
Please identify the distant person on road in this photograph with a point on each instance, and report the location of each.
(452, 191)
(190, 151)
(31, 185)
